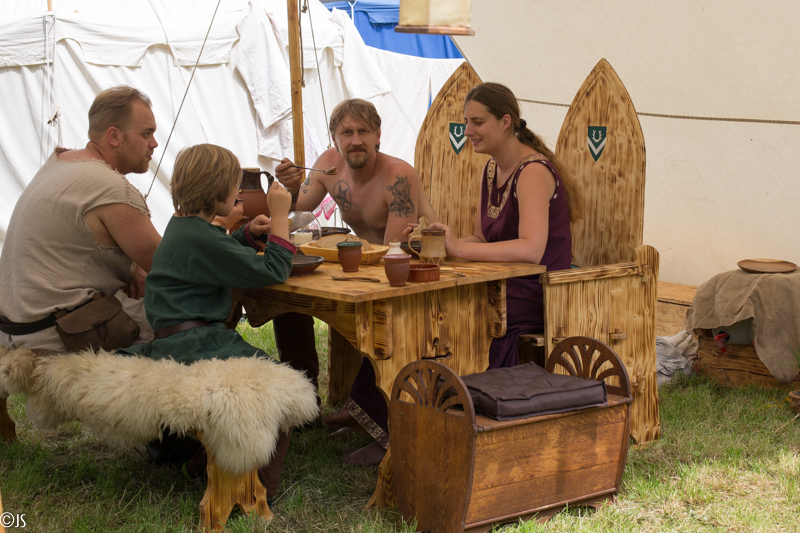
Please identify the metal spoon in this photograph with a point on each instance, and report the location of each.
(330, 172)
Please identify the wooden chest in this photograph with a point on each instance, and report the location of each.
(737, 367)
(456, 471)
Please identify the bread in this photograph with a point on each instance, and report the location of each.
(330, 242)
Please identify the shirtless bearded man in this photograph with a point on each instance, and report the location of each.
(378, 196)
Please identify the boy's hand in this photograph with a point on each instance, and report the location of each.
(290, 176)
(260, 225)
(279, 200)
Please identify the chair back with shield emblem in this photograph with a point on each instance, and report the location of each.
(444, 159)
(601, 147)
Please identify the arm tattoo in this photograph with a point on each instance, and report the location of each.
(401, 204)
(341, 195)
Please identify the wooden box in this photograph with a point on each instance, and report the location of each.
(457, 471)
(674, 301)
(738, 366)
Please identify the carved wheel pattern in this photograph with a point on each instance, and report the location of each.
(586, 358)
(431, 384)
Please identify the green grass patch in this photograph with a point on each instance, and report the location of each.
(727, 460)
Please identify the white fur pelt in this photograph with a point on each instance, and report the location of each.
(238, 405)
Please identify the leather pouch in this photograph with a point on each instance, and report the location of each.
(99, 324)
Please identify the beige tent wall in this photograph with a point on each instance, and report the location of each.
(717, 190)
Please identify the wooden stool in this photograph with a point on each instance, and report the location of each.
(224, 490)
(457, 471)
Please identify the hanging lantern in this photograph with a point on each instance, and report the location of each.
(446, 17)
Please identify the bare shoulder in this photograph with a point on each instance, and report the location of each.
(396, 167)
(329, 157)
(537, 177)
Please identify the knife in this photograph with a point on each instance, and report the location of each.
(355, 278)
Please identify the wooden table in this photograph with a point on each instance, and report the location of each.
(453, 319)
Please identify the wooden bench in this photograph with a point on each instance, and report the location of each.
(235, 407)
(455, 470)
(673, 302)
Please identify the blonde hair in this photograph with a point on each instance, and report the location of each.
(113, 108)
(500, 101)
(204, 175)
(357, 109)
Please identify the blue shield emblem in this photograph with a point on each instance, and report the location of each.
(457, 138)
(597, 140)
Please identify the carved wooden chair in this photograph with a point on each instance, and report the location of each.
(612, 296)
(458, 470)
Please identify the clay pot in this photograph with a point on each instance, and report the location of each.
(350, 254)
(397, 268)
(255, 199)
(424, 272)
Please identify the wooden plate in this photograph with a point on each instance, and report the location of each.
(332, 255)
(766, 266)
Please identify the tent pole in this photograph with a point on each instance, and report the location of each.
(296, 72)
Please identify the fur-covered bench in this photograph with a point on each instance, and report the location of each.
(236, 407)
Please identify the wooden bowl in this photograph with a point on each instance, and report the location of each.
(423, 272)
(332, 254)
(303, 265)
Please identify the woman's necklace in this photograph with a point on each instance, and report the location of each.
(493, 211)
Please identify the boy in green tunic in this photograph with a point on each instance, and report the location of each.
(188, 290)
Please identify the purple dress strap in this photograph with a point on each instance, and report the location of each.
(500, 222)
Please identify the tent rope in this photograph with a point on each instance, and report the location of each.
(685, 117)
(321, 92)
(186, 92)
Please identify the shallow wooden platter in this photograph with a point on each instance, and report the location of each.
(332, 255)
(767, 266)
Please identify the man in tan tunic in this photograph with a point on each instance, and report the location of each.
(80, 228)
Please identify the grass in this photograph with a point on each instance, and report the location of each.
(727, 461)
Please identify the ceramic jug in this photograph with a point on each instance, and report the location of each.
(255, 199)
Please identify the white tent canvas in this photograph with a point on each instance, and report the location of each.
(715, 84)
(53, 64)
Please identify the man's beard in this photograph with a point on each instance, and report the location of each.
(359, 161)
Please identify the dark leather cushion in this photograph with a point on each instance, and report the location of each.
(525, 390)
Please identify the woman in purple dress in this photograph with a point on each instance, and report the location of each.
(527, 203)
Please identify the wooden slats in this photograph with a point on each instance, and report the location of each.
(605, 307)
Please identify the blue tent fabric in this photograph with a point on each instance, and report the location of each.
(375, 21)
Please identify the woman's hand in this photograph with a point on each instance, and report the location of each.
(260, 225)
(290, 176)
(450, 240)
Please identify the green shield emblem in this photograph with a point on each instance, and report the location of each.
(597, 140)
(457, 138)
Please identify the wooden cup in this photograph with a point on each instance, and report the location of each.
(433, 250)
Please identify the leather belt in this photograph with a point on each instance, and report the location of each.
(26, 328)
(183, 326)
